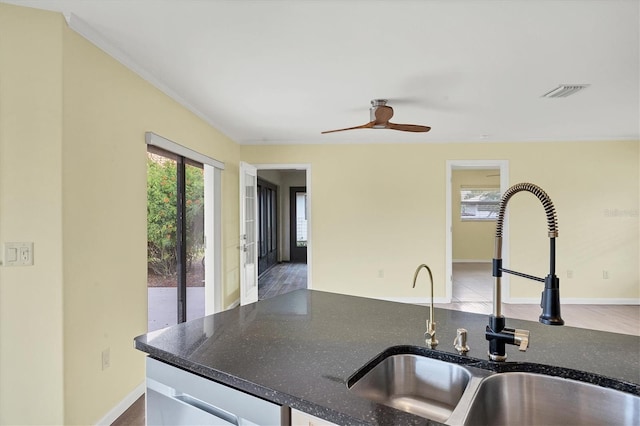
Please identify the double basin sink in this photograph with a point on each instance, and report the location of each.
(457, 394)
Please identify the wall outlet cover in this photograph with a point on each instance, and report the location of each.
(18, 254)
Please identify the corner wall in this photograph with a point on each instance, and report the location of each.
(73, 181)
(107, 110)
(31, 305)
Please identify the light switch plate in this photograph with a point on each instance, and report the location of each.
(18, 254)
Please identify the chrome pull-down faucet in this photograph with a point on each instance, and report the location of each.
(430, 334)
(496, 333)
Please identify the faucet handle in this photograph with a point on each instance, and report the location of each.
(430, 335)
(521, 337)
(460, 342)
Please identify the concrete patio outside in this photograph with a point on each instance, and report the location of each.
(163, 309)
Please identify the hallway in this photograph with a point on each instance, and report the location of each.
(282, 278)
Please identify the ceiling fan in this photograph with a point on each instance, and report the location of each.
(380, 114)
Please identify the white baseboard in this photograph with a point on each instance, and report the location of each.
(574, 301)
(122, 406)
(414, 300)
(471, 261)
(520, 301)
(233, 305)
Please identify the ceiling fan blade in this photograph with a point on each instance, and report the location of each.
(364, 126)
(408, 127)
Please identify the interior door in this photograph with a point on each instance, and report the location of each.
(248, 234)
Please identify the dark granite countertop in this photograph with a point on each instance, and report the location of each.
(299, 349)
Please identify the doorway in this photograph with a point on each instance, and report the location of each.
(292, 269)
(473, 190)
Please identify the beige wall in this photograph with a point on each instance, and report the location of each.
(31, 303)
(471, 240)
(390, 216)
(73, 181)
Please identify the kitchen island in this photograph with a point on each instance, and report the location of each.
(300, 349)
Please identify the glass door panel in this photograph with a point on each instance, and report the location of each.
(194, 205)
(248, 234)
(250, 229)
(162, 261)
(175, 239)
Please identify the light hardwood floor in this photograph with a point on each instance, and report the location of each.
(134, 416)
(473, 292)
(623, 319)
(282, 278)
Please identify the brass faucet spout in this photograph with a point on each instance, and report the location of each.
(430, 334)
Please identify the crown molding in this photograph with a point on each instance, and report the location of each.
(88, 32)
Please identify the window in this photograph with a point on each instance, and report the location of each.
(479, 203)
(301, 219)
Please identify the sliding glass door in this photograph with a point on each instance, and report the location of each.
(175, 242)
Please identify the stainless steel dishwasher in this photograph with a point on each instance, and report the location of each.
(177, 397)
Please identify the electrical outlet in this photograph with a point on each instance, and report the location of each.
(569, 273)
(106, 358)
(605, 275)
(380, 273)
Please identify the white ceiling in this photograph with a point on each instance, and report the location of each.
(282, 71)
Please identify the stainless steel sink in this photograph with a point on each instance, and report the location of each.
(535, 399)
(416, 384)
(463, 395)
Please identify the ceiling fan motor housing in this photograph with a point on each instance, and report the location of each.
(375, 104)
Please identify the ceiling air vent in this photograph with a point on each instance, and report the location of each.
(564, 90)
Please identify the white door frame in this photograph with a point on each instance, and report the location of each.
(307, 168)
(213, 239)
(503, 166)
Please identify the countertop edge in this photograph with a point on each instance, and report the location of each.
(254, 389)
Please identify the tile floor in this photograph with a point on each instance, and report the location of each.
(472, 282)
